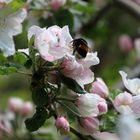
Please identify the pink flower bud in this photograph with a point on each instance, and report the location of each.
(57, 4)
(125, 43)
(91, 105)
(15, 104)
(62, 125)
(122, 102)
(26, 109)
(88, 125)
(100, 88)
(102, 106)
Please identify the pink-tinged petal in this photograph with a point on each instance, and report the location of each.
(88, 125)
(122, 103)
(57, 4)
(124, 98)
(86, 76)
(102, 106)
(99, 87)
(135, 105)
(62, 125)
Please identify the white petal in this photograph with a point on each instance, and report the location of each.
(26, 51)
(91, 59)
(133, 85)
(6, 44)
(135, 106)
(34, 30)
(13, 22)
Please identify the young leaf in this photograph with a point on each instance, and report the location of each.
(20, 58)
(38, 119)
(72, 84)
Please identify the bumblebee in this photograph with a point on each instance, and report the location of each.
(80, 48)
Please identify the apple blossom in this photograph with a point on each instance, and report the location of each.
(133, 85)
(15, 104)
(106, 136)
(100, 88)
(62, 125)
(88, 105)
(88, 125)
(56, 4)
(129, 128)
(10, 26)
(52, 43)
(79, 69)
(122, 102)
(125, 43)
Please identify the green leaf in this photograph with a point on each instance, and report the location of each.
(38, 119)
(12, 7)
(7, 70)
(88, 8)
(20, 58)
(3, 59)
(39, 96)
(72, 84)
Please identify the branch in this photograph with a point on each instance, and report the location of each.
(94, 19)
(130, 6)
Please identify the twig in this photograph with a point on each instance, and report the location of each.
(94, 19)
(130, 6)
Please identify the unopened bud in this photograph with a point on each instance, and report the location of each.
(62, 125)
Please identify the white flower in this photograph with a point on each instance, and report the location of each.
(129, 128)
(122, 102)
(87, 104)
(79, 70)
(52, 43)
(133, 85)
(10, 26)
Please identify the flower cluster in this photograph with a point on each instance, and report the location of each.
(54, 45)
(16, 111)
